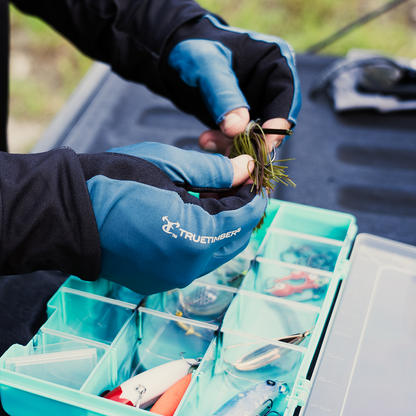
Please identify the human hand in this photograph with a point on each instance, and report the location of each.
(221, 140)
(227, 76)
(154, 235)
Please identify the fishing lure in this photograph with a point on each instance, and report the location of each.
(205, 301)
(143, 390)
(236, 280)
(306, 255)
(265, 173)
(282, 288)
(189, 329)
(253, 142)
(167, 404)
(233, 272)
(263, 356)
(254, 400)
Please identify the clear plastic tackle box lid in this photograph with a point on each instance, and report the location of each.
(368, 362)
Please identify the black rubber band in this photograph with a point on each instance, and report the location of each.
(286, 132)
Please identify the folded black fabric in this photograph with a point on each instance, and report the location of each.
(368, 81)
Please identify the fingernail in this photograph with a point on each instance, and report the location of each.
(210, 147)
(229, 121)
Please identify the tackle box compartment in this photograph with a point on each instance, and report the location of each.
(286, 282)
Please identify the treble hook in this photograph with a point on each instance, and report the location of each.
(141, 390)
(268, 410)
(192, 366)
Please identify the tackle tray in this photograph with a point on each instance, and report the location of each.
(99, 334)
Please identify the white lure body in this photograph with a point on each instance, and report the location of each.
(144, 389)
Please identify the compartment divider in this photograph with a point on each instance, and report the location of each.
(279, 212)
(178, 318)
(100, 298)
(310, 237)
(316, 221)
(291, 303)
(294, 266)
(110, 358)
(75, 338)
(267, 236)
(266, 340)
(225, 288)
(194, 381)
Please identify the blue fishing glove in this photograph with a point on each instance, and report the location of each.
(181, 51)
(211, 69)
(156, 236)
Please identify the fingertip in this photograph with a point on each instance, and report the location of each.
(235, 122)
(214, 141)
(243, 167)
(275, 140)
(206, 142)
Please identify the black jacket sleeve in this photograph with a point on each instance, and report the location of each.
(130, 35)
(46, 217)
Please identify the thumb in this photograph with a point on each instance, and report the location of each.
(235, 122)
(243, 165)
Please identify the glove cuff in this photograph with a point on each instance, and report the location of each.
(47, 221)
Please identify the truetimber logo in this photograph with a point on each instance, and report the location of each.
(175, 230)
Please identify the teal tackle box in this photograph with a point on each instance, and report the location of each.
(237, 321)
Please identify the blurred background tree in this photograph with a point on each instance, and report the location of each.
(45, 68)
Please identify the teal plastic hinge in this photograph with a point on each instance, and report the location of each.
(344, 269)
(299, 396)
(301, 391)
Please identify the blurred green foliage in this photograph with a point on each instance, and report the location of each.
(303, 23)
(45, 68)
